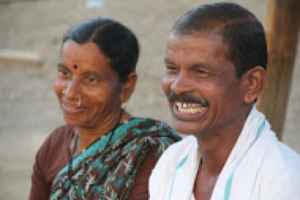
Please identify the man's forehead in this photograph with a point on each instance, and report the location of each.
(201, 49)
(208, 42)
(215, 31)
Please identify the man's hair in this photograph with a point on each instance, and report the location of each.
(114, 40)
(239, 28)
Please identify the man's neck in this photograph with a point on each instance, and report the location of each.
(215, 152)
(217, 146)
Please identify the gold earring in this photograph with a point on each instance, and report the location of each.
(63, 91)
(124, 106)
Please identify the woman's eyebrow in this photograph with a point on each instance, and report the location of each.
(61, 65)
(92, 72)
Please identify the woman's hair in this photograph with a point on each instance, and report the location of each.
(113, 39)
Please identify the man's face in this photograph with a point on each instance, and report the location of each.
(206, 95)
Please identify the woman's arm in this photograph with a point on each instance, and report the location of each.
(39, 188)
(139, 190)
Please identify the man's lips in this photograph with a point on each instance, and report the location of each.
(191, 108)
(71, 108)
(184, 110)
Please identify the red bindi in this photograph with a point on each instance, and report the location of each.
(75, 66)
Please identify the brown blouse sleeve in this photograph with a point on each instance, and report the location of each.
(39, 188)
(50, 159)
(139, 190)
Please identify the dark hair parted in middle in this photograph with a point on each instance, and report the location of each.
(113, 39)
(240, 29)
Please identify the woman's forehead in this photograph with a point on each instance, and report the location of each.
(82, 54)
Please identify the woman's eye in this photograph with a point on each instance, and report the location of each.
(92, 79)
(65, 72)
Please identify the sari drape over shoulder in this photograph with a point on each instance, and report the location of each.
(109, 173)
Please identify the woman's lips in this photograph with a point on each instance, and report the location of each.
(72, 108)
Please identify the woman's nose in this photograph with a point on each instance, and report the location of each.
(73, 89)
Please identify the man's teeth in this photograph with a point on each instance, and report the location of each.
(189, 107)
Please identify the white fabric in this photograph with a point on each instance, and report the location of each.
(260, 167)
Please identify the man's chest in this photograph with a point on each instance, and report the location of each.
(204, 186)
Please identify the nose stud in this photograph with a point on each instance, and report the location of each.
(79, 102)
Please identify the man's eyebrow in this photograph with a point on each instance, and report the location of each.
(198, 65)
(167, 61)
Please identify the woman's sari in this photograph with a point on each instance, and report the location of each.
(109, 173)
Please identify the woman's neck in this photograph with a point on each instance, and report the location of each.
(86, 136)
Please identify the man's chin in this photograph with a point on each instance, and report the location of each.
(185, 128)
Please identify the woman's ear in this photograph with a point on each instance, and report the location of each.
(255, 79)
(128, 87)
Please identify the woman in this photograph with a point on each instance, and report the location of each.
(103, 152)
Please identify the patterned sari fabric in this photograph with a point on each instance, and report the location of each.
(110, 173)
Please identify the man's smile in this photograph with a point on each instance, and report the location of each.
(185, 111)
(191, 108)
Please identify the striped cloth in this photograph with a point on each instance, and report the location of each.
(258, 168)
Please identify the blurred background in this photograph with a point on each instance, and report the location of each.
(28, 107)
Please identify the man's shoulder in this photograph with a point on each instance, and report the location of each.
(179, 147)
(177, 152)
(282, 158)
(281, 170)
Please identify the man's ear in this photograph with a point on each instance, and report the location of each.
(255, 81)
(128, 87)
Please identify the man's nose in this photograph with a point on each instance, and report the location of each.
(181, 84)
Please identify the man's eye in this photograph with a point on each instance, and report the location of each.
(171, 69)
(201, 72)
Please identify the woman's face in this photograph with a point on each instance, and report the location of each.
(88, 89)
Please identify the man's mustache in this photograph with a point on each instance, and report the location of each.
(188, 99)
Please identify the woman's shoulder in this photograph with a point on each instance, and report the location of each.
(58, 138)
(151, 127)
(64, 132)
(153, 130)
(151, 124)
(152, 121)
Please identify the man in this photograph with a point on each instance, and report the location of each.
(216, 67)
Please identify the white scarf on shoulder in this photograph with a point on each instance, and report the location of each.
(174, 175)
